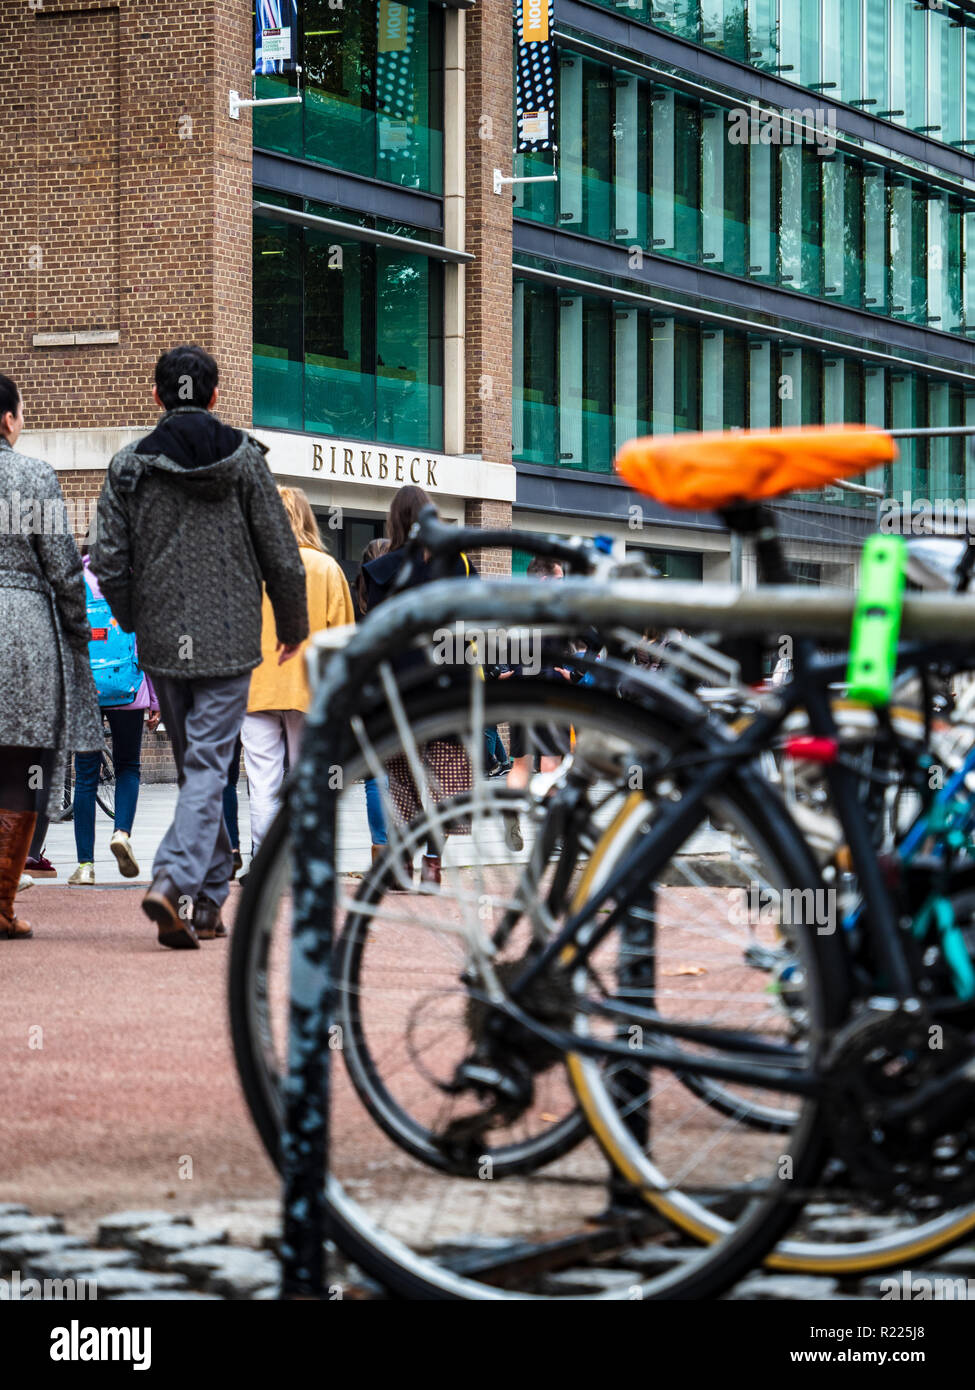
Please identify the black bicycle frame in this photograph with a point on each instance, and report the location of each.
(582, 933)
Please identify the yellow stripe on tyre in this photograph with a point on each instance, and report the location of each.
(830, 1259)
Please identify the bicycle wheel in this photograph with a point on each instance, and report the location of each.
(105, 793)
(838, 1236)
(260, 1052)
(67, 800)
(438, 1234)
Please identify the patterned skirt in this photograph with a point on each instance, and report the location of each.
(447, 771)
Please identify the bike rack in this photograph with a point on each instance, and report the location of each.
(308, 1087)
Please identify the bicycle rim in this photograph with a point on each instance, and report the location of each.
(890, 1248)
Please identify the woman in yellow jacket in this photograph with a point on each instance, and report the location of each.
(279, 694)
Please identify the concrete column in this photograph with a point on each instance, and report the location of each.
(455, 230)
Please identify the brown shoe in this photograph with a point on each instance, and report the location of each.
(161, 905)
(207, 922)
(16, 833)
(395, 878)
(430, 870)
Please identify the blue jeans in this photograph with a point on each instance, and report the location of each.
(126, 727)
(374, 812)
(494, 748)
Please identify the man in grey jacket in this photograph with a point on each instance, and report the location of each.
(189, 525)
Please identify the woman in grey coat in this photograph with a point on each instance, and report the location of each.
(48, 705)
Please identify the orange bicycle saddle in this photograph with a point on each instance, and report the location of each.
(706, 472)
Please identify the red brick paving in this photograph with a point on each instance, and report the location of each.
(135, 1072)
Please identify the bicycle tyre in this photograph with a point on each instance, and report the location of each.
(249, 1029)
(105, 793)
(386, 1258)
(873, 1254)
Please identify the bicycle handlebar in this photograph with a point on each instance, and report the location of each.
(443, 540)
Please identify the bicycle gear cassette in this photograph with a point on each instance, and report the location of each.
(903, 1137)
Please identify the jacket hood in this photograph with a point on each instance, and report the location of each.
(200, 452)
(384, 567)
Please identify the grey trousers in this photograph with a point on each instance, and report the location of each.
(203, 719)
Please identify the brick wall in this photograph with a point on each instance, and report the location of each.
(491, 515)
(488, 278)
(131, 211)
(130, 215)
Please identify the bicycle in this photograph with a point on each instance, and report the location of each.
(752, 1226)
(104, 795)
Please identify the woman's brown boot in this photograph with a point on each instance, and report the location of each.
(16, 833)
(430, 870)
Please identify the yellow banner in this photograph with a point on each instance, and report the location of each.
(393, 26)
(534, 21)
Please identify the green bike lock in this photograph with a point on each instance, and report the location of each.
(877, 619)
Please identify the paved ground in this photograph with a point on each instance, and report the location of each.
(119, 1092)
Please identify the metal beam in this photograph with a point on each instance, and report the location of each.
(641, 603)
(305, 178)
(355, 233)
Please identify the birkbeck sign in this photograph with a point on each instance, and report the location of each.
(375, 465)
(353, 461)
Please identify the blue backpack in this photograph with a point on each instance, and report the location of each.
(112, 654)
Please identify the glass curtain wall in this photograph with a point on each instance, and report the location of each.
(347, 337)
(669, 373)
(902, 60)
(645, 166)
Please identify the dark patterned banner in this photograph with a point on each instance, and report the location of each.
(535, 80)
(275, 36)
(395, 88)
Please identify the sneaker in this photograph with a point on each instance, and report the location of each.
(41, 867)
(122, 849)
(83, 876)
(25, 882)
(513, 837)
(238, 863)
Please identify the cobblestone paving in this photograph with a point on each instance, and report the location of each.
(229, 1251)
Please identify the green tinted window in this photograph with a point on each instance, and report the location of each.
(347, 337)
(908, 61)
(644, 166)
(658, 374)
(373, 92)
